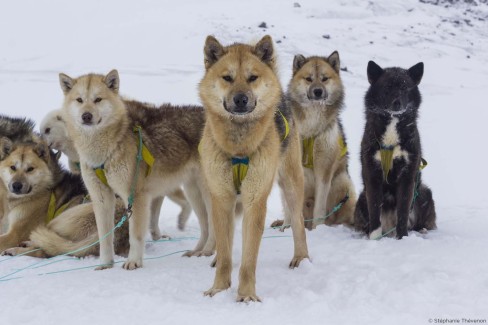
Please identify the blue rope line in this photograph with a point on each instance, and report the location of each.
(336, 208)
(68, 253)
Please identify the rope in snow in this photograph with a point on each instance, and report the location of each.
(336, 208)
(3, 279)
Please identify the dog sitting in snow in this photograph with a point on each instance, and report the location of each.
(391, 156)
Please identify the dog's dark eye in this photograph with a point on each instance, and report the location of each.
(79, 100)
(13, 168)
(47, 130)
(252, 78)
(98, 100)
(227, 78)
(30, 169)
(324, 79)
(309, 79)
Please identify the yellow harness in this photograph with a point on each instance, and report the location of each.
(386, 153)
(308, 143)
(51, 210)
(240, 165)
(146, 156)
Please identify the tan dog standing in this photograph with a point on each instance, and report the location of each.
(101, 125)
(248, 131)
(316, 95)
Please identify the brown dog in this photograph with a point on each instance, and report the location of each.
(249, 133)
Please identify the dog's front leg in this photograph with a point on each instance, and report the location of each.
(322, 188)
(291, 182)
(138, 225)
(252, 231)
(404, 197)
(103, 199)
(223, 207)
(373, 187)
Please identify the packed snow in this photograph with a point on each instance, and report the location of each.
(157, 46)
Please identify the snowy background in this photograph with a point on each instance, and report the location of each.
(157, 46)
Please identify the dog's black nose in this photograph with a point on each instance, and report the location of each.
(241, 100)
(318, 92)
(17, 187)
(87, 117)
(396, 105)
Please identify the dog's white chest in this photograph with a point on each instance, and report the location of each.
(313, 123)
(391, 139)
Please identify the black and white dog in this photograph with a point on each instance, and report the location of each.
(391, 156)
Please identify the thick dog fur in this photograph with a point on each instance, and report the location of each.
(53, 130)
(242, 97)
(30, 173)
(38, 171)
(15, 130)
(101, 125)
(392, 102)
(316, 95)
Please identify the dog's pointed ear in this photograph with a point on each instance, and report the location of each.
(5, 147)
(298, 62)
(374, 72)
(66, 83)
(112, 81)
(334, 61)
(42, 151)
(416, 72)
(264, 50)
(212, 51)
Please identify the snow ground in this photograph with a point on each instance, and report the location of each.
(157, 48)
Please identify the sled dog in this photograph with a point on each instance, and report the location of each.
(391, 156)
(316, 96)
(249, 136)
(53, 130)
(106, 132)
(46, 205)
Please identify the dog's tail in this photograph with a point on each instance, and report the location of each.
(53, 244)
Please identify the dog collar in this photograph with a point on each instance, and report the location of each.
(239, 171)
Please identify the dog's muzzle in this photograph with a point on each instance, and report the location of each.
(240, 105)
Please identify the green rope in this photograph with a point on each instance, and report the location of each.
(336, 208)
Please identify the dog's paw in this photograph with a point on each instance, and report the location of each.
(295, 262)
(213, 291)
(277, 223)
(132, 265)
(105, 266)
(155, 234)
(9, 252)
(376, 234)
(198, 253)
(248, 298)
